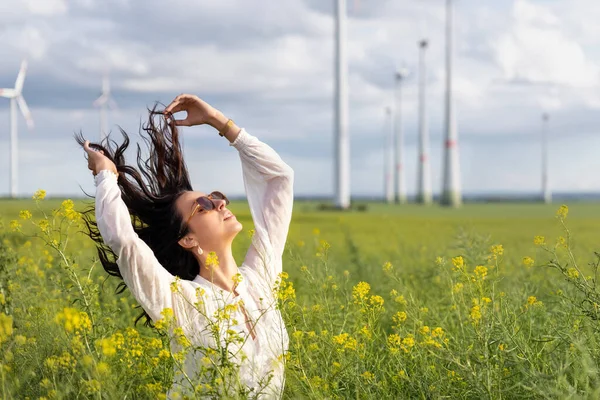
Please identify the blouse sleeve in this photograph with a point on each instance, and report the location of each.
(269, 187)
(148, 281)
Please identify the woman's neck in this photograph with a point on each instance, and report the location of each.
(222, 274)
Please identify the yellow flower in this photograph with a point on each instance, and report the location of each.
(424, 330)
(367, 375)
(15, 225)
(497, 250)
(539, 240)
(346, 273)
(212, 260)
(457, 288)
(437, 332)
(102, 368)
(562, 212)
(25, 214)
(360, 291)
(20, 340)
(298, 335)
(400, 300)
(458, 263)
(475, 314)
(481, 272)
(573, 273)
(394, 340)
(533, 301)
(74, 320)
(528, 261)
(408, 341)
(6, 327)
(399, 317)
(340, 339)
(387, 267)
(376, 301)
(164, 354)
(486, 300)
(304, 268)
(316, 232)
(366, 332)
(501, 347)
(439, 261)
(39, 195)
(562, 241)
(237, 278)
(108, 346)
(175, 285)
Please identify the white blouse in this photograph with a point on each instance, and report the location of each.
(268, 182)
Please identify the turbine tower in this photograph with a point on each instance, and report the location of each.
(104, 101)
(401, 74)
(424, 176)
(546, 194)
(451, 188)
(16, 97)
(342, 143)
(389, 155)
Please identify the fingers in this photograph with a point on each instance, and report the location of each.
(179, 104)
(89, 150)
(86, 147)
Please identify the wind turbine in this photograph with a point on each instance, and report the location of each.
(389, 155)
(105, 100)
(424, 177)
(451, 191)
(15, 96)
(342, 142)
(546, 193)
(401, 74)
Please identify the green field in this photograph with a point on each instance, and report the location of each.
(428, 325)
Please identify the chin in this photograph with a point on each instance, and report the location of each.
(238, 227)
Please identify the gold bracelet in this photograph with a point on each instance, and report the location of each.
(225, 129)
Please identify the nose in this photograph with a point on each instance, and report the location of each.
(219, 204)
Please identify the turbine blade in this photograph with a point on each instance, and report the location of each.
(8, 93)
(101, 100)
(106, 85)
(112, 104)
(25, 111)
(21, 77)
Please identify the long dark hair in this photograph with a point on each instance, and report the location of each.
(150, 192)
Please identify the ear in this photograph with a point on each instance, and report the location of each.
(188, 242)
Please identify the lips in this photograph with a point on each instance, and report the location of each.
(228, 216)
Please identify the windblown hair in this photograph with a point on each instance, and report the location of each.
(150, 192)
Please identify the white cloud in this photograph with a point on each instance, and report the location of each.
(46, 7)
(272, 72)
(537, 49)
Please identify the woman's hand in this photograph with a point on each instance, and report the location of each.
(97, 161)
(198, 111)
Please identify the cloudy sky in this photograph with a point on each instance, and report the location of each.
(269, 66)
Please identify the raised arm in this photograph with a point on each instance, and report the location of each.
(269, 187)
(148, 281)
(268, 181)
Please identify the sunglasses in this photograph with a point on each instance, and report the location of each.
(206, 203)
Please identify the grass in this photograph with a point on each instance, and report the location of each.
(395, 302)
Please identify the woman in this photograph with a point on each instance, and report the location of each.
(172, 248)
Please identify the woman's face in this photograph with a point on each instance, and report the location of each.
(212, 229)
